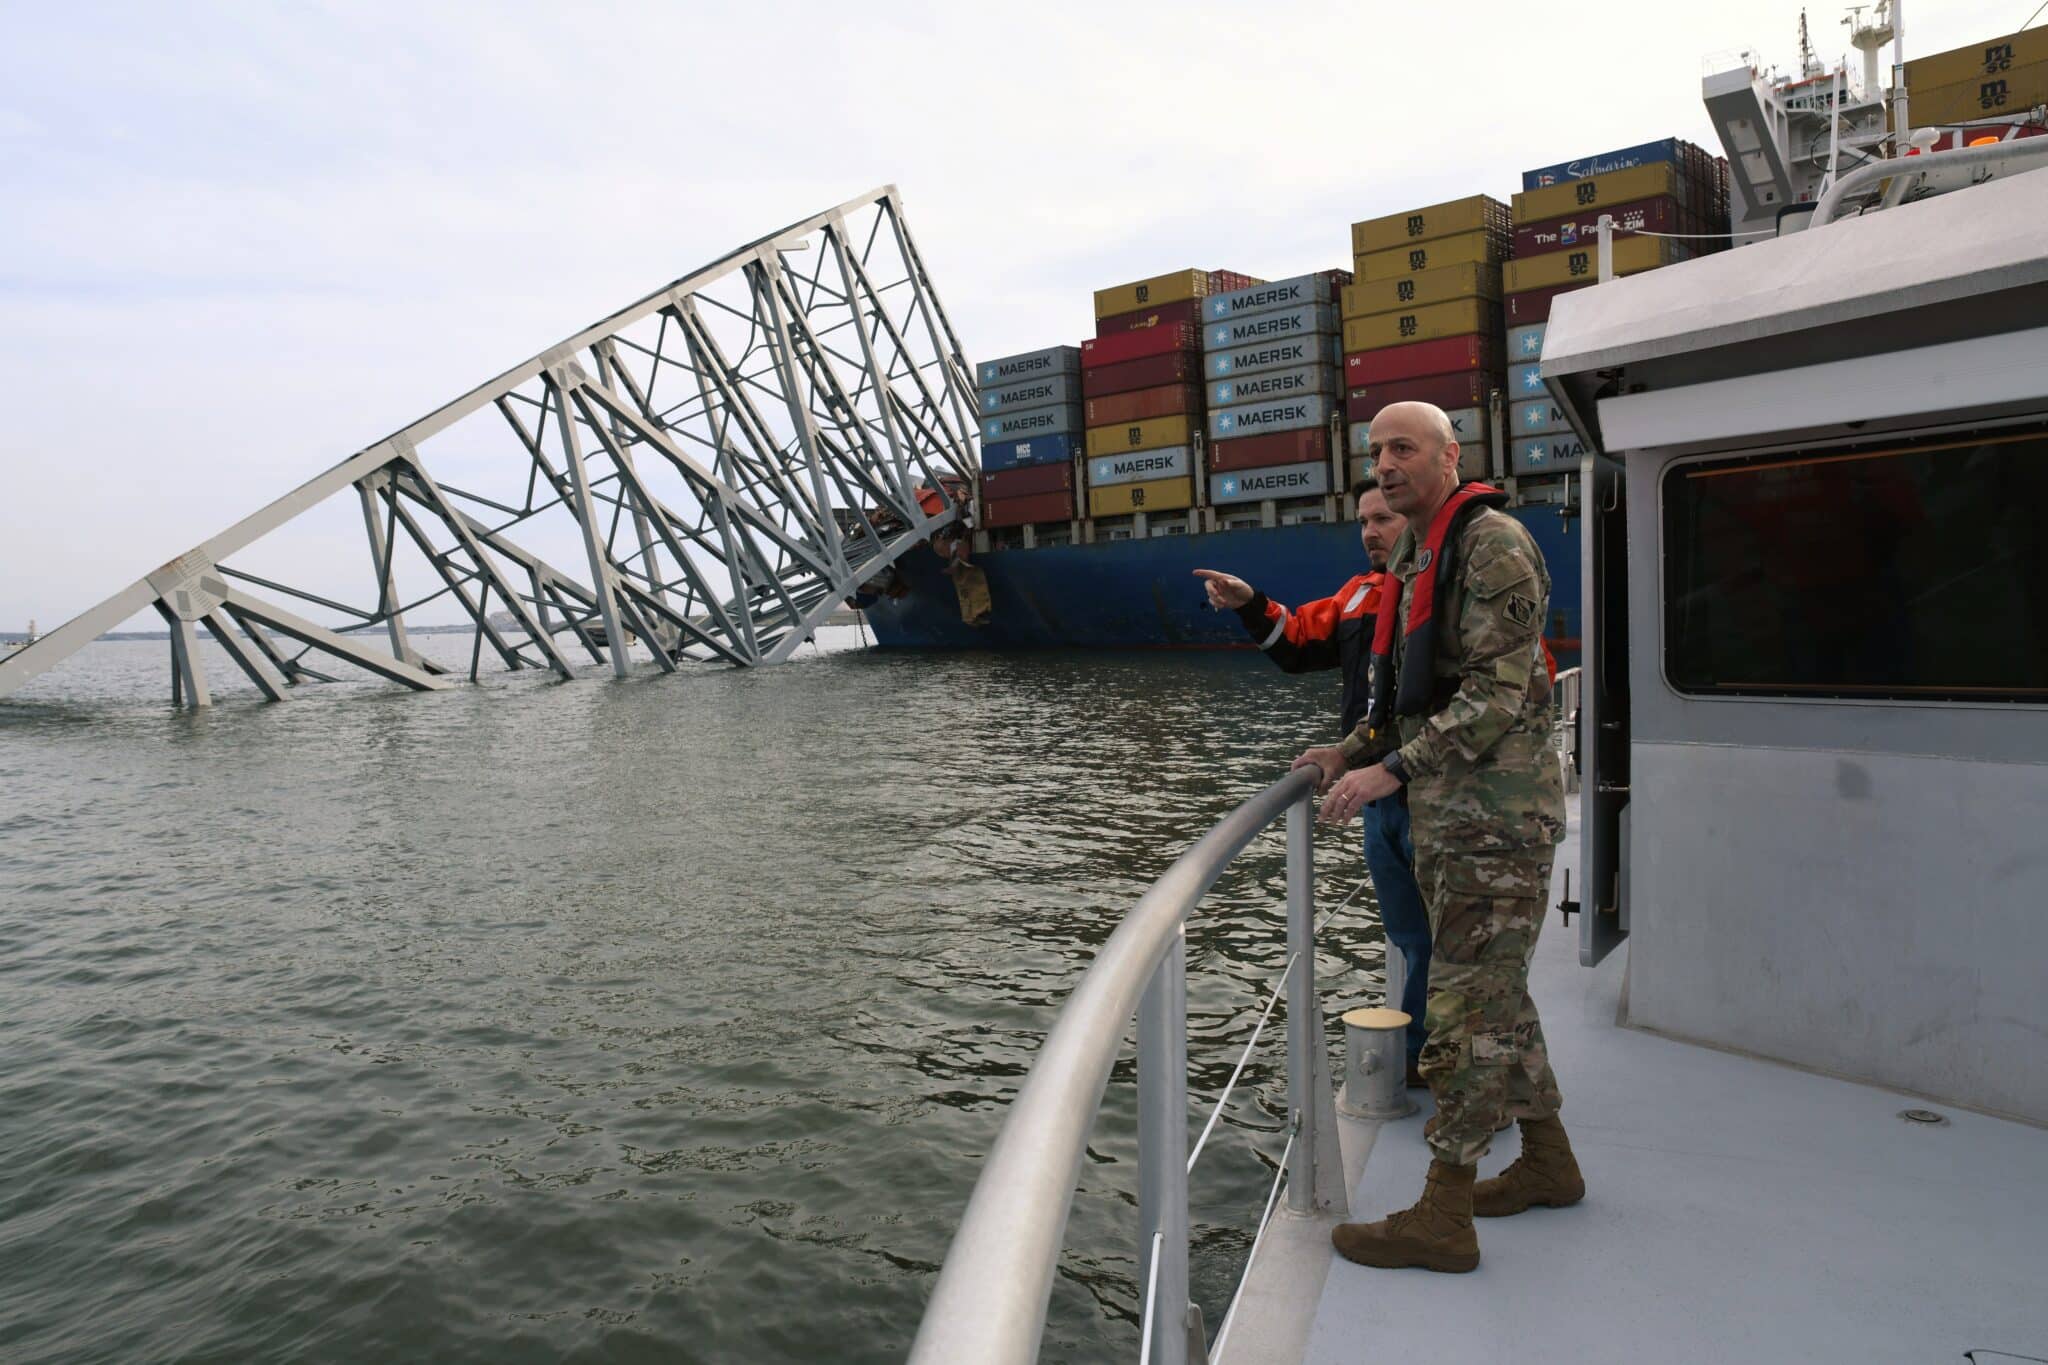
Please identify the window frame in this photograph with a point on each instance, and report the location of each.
(1820, 448)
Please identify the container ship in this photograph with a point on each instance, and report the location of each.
(1217, 420)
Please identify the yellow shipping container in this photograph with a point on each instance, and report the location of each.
(1596, 191)
(1471, 248)
(1631, 256)
(1979, 61)
(1474, 213)
(1172, 288)
(1154, 495)
(2009, 92)
(1417, 291)
(1153, 434)
(1462, 318)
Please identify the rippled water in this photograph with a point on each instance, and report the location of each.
(657, 1019)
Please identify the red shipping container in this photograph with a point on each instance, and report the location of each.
(1533, 305)
(1417, 359)
(1139, 404)
(1228, 281)
(1661, 214)
(1274, 448)
(1165, 315)
(1448, 391)
(1025, 511)
(1175, 367)
(1114, 350)
(1028, 480)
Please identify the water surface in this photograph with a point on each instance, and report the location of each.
(664, 1019)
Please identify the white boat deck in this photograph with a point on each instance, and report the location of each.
(1736, 1209)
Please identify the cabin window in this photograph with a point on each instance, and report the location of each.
(1911, 572)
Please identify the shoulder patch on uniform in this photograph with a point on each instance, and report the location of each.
(1521, 609)
(1497, 566)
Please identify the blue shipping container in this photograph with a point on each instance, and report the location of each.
(1644, 154)
(1277, 481)
(1169, 463)
(1547, 454)
(1273, 384)
(1468, 425)
(1265, 298)
(1011, 369)
(1525, 382)
(1526, 343)
(1008, 426)
(1000, 455)
(1033, 393)
(1290, 322)
(1539, 417)
(1256, 419)
(1274, 355)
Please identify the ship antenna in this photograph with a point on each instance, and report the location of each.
(1809, 65)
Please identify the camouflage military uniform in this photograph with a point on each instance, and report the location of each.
(1487, 803)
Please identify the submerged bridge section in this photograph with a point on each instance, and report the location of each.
(705, 474)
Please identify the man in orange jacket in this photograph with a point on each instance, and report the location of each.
(1337, 632)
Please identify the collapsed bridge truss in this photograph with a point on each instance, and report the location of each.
(723, 462)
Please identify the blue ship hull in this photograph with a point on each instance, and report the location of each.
(1143, 594)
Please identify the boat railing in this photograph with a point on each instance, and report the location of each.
(989, 1305)
(1564, 724)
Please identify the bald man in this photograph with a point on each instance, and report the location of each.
(1461, 681)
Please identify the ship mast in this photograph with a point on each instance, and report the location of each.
(1869, 39)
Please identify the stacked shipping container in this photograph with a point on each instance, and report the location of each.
(1141, 386)
(1423, 321)
(2004, 77)
(1666, 199)
(1271, 360)
(1031, 424)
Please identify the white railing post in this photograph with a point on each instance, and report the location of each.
(1163, 1151)
(1315, 1177)
(1606, 248)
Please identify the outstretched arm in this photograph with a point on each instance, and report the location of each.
(1299, 641)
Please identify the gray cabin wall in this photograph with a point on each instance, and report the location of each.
(1855, 887)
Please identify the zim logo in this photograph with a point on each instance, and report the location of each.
(1587, 191)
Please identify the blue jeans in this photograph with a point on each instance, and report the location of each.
(1390, 857)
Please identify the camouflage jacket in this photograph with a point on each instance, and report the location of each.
(1482, 774)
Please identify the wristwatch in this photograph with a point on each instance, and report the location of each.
(1393, 764)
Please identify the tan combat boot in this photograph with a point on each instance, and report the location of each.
(1436, 1234)
(1545, 1173)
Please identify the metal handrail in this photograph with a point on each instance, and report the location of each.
(1863, 177)
(994, 1288)
(1564, 724)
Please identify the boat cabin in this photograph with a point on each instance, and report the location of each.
(1814, 735)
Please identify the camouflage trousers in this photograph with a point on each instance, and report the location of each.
(1485, 1060)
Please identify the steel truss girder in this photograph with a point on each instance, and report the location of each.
(731, 457)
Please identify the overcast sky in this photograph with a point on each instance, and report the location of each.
(241, 242)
